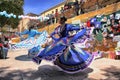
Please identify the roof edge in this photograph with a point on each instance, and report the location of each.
(52, 7)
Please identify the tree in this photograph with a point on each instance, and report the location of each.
(11, 6)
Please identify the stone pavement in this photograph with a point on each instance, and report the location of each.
(19, 67)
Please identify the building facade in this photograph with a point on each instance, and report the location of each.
(49, 11)
(58, 7)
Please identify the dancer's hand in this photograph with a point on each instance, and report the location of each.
(49, 36)
(44, 45)
(17, 33)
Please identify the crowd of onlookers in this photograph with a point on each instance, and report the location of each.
(54, 16)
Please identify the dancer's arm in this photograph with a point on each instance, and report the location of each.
(53, 33)
(24, 32)
(72, 27)
(50, 38)
(38, 33)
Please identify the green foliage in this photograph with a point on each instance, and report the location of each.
(11, 6)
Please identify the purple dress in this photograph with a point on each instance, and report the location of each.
(63, 51)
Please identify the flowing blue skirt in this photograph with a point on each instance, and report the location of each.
(31, 42)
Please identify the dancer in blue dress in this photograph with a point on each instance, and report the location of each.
(31, 41)
(31, 32)
(63, 50)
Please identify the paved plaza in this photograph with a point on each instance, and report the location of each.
(19, 67)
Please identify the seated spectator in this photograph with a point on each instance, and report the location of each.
(115, 27)
(76, 7)
(3, 49)
(6, 41)
(66, 6)
(69, 6)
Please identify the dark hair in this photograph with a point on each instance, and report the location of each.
(31, 27)
(92, 24)
(63, 18)
(1, 40)
(105, 25)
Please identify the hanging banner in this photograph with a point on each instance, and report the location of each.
(11, 15)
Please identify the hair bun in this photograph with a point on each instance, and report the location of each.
(63, 18)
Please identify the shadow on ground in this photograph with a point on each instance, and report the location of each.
(3, 58)
(45, 72)
(23, 58)
(111, 73)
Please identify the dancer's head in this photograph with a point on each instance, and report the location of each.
(31, 27)
(62, 20)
